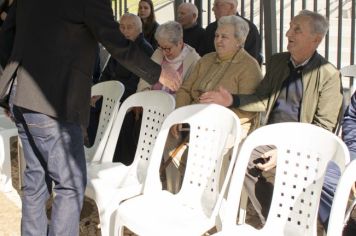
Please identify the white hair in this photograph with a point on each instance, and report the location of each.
(241, 27)
(171, 31)
(318, 23)
(136, 20)
(233, 2)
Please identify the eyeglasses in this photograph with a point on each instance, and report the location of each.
(167, 49)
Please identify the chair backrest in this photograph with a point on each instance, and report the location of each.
(336, 220)
(156, 107)
(348, 71)
(303, 152)
(104, 56)
(213, 130)
(112, 92)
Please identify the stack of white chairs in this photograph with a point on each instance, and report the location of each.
(215, 134)
(109, 183)
(303, 152)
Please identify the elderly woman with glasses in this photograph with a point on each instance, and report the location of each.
(171, 52)
(229, 67)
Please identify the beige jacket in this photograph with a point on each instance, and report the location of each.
(242, 76)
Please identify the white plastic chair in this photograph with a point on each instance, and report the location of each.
(303, 152)
(112, 92)
(337, 215)
(7, 130)
(349, 71)
(193, 210)
(109, 183)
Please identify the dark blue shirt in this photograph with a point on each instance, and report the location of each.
(287, 106)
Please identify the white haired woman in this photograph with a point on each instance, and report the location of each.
(229, 67)
(172, 52)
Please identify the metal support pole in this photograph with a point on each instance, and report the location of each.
(199, 5)
(176, 4)
(270, 29)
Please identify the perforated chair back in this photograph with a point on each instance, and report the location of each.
(156, 106)
(214, 130)
(112, 92)
(303, 152)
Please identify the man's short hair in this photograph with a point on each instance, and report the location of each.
(318, 22)
(136, 20)
(233, 2)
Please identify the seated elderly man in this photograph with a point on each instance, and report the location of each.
(131, 27)
(299, 86)
(193, 33)
(230, 66)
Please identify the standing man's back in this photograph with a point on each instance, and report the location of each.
(52, 59)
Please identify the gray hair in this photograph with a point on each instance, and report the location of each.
(233, 2)
(318, 23)
(171, 31)
(241, 27)
(135, 19)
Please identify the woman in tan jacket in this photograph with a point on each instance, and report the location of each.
(230, 67)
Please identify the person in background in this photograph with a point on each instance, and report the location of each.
(227, 8)
(299, 86)
(231, 67)
(146, 12)
(193, 33)
(349, 131)
(171, 51)
(131, 27)
(4, 8)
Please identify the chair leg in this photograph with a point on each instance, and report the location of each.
(118, 228)
(243, 207)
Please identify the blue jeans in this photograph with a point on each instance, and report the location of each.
(55, 159)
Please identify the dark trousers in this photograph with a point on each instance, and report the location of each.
(55, 159)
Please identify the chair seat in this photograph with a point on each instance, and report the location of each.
(139, 209)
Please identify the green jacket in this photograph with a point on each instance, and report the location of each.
(322, 91)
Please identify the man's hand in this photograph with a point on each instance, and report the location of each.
(175, 129)
(169, 78)
(221, 97)
(354, 189)
(137, 111)
(271, 160)
(94, 99)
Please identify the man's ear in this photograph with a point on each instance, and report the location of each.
(195, 17)
(319, 38)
